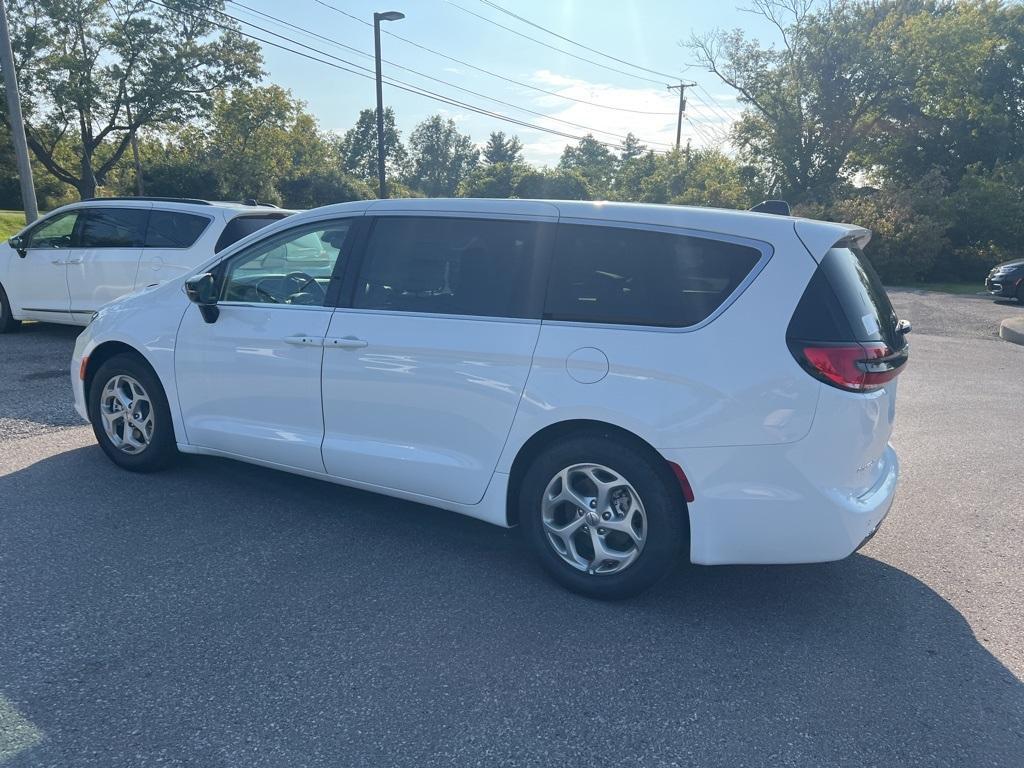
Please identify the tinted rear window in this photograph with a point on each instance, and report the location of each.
(112, 228)
(239, 227)
(860, 294)
(173, 229)
(639, 277)
(451, 266)
(844, 302)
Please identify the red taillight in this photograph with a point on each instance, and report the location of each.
(855, 367)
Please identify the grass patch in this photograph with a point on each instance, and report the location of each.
(11, 222)
(960, 288)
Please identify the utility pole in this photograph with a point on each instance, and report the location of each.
(382, 185)
(682, 107)
(14, 118)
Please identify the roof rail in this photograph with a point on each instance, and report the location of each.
(150, 199)
(776, 207)
(253, 201)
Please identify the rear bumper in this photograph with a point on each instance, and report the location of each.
(763, 504)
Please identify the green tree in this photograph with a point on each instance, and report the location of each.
(704, 177)
(358, 148)
(95, 72)
(593, 161)
(440, 157)
(556, 184)
(964, 104)
(492, 180)
(253, 141)
(503, 149)
(814, 100)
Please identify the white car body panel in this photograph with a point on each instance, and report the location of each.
(246, 389)
(436, 409)
(426, 406)
(67, 285)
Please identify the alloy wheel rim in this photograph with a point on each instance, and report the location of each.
(127, 414)
(594, 519)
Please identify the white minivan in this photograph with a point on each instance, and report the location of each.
(627, 383)
(78, 257)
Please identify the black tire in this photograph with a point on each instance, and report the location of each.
(667, 523)
(7, 322)
(1020, 293)
(161, 450)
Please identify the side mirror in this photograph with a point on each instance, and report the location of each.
(18, 244)
(202, 291)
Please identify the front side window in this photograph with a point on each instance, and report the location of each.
(294, 267)
(58, 232)
(641, 277)
(113, 228)
(450, 266)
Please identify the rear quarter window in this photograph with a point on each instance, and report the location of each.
(640, 277)
(242, 226)
(174, 229)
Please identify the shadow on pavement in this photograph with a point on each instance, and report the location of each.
(224, 615)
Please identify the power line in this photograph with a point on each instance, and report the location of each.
(398, 84)
(533, 24)
(489, 72)
(553, 47)
(588, 128)
(524, 20)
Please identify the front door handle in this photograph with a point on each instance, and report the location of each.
(345, 342)
(60, 262)
(304, 341)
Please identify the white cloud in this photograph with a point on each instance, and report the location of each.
(657, 130)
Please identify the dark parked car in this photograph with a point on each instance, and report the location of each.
(1006, 280)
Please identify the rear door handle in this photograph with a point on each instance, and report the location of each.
(345, 342)
(304, 341)
(74, 261)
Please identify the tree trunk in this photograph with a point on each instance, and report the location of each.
(86, 185)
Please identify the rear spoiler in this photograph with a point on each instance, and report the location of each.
(775, 207)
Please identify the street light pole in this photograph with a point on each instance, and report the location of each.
(28, 190)
(382, 185)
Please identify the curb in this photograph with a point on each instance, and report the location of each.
(1012, 329)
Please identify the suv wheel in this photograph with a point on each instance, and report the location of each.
(7, 321)
(129, 415)
(602, 517)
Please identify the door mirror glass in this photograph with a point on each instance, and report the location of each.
(202, 291)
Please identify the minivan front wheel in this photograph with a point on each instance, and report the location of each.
(129, 415)
(601, 517)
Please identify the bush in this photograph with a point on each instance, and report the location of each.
(322, 188)
(552, 185)
(905, 245)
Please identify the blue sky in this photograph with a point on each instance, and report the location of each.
(646, 33)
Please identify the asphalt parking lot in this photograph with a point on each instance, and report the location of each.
(224, 615)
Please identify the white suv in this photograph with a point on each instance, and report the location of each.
(68, 264)
(622, 381)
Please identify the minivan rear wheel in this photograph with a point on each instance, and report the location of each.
(603, 518)
(129, 415)
(7, 321)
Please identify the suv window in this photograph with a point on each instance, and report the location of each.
(450, 266)
(113, 228)
(295, 267)
(640, 277)
(243, 226)
(174, 229)
(861, 295)
(58, 232)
